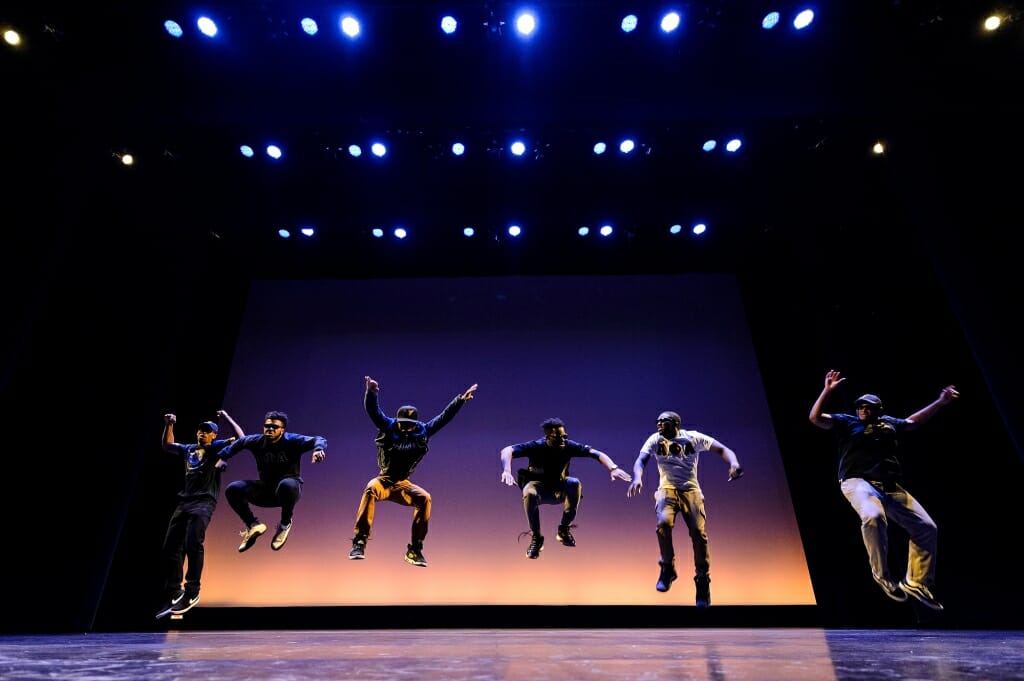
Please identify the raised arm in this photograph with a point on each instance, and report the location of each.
(451, 409)
(371, 402)
(948, 394)
(468, 395)
(167, 439)
(231, 422)
(817, 416)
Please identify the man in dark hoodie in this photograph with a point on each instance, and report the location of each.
(402, 442)
(278, 456)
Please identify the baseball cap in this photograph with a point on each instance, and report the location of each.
(868, 398)
(208, 427)
(407, 414)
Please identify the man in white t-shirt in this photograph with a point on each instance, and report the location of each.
(677, 452)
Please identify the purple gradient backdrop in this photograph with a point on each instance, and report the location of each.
(605, 354)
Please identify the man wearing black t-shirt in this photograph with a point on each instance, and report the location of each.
(870, 479)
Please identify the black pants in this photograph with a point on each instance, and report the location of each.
(284, 494)
(183, 542)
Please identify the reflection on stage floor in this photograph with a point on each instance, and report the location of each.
(795, 654)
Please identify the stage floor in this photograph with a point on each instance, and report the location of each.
(795, 654)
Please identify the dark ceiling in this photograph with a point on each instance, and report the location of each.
(97, 80)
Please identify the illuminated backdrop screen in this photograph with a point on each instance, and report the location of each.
(605, 354)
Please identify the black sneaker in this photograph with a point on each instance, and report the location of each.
(921, 593)
(891, 590)
(535, 547)
(414, 555)
(358, 551)
(564, 535)
(185, 604)
(174, 599)
(250, 535)
(703, 583)
(665, 578)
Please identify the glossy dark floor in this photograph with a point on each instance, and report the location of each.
(794, 654)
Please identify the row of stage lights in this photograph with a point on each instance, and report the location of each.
(514, 231)
(517, 148)
(379, 149)
(526, 23)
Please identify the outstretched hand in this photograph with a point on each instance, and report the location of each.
(832, 379)
(371, 385)
(468, 395)
(948, 394)
(619, 474)
(634, 488)
(735, 473)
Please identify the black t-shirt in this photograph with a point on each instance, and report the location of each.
(551, 464)
(202, 478)
(867, 449)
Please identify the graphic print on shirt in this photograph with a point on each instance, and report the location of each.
(672, 449)
(195, 459)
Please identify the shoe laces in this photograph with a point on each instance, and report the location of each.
(248, 529)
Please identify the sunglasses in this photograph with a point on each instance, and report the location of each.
(271, 426)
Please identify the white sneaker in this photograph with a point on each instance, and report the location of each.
(281, 536)
(250, 535)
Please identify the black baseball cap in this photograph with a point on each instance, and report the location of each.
(868, 398)
(407, 414)
(208, 427)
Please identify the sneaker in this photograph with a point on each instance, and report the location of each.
(921, 593)
(414, 555)
(891, 590)
(358, 551)
(564, 535)
(281, 536)
(535, 547)
(665, 579)
(703, 583)
(171, 602)
(250, 535)
(185, 604)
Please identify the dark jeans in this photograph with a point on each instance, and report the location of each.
(183, 542)
(567, 492)
(284, 494)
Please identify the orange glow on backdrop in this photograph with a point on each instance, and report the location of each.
(605, 354)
